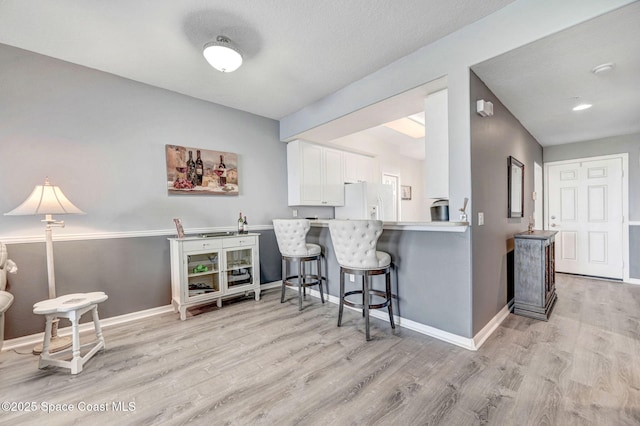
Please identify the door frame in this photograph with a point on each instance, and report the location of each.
(624, 156)
(397, 203)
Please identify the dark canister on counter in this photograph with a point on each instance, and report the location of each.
(440, 211)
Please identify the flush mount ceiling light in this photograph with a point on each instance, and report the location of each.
(407, 126)
(222, 55)
(582, 107)
(603, 68)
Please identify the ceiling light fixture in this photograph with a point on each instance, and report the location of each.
(603, 68)
(582, 107)
(407, 126)
(222, 55)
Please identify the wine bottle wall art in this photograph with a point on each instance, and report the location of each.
(201, 171)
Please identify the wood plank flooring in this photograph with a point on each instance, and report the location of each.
(265, 363)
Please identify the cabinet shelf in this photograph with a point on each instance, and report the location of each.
(198, 274)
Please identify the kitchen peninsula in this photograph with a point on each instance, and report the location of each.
(430, 280)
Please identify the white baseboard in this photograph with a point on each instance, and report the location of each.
(491, 326)
(464, 342)
(34, 339)
(632, 281)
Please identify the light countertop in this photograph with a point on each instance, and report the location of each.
(411, 226)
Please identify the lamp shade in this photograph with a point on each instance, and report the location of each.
(45, 199)
(222, 55)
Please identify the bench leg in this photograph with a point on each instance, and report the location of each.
(76, 361)
(45, 344)
(96, 325)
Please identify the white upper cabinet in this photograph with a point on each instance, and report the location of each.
(357, 168)
(436, 140)
(314, 174)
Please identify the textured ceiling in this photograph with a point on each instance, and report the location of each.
(296, 51)
(541, 82)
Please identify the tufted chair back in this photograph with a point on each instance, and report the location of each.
(354, 242)
(291, 235)
(3, 262)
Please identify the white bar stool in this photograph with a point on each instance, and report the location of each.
(354, 242)
(291, 236)
(71, 306)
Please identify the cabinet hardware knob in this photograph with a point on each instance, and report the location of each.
(553, 225)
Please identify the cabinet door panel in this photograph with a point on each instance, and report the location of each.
(333, 178)
(311, 185)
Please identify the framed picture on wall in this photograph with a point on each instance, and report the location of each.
(201, 171)
(405, 192)
(515, 173)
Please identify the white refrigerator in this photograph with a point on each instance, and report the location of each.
(366, 200)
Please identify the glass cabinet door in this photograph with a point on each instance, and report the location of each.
(203, 272)
(239, 267)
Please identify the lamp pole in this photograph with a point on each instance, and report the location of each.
(57, 343)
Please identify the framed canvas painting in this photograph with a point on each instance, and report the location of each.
(201, 171)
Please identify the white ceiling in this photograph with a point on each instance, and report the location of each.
(296, 51)
(299, 51)
(539, 82)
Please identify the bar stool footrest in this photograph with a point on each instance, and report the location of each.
(378, 293)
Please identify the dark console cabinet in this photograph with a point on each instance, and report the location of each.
(534, 280)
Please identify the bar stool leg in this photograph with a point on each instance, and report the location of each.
(365, 307)
(341, 297)
(390, 299)
(300, 286)
(364, 282)
(284, 279)
(320, 278)
(304, 279)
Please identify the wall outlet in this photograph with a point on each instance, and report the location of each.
(295, 212)
(480, 218)
(352, 278)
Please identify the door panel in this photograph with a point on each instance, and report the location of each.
(585, 207)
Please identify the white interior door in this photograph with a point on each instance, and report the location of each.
(393, 180)
(585, 207)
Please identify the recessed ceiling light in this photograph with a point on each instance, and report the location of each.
(407, 126)
(603, 68)
(582, 107)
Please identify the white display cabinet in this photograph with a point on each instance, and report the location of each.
(207, 269)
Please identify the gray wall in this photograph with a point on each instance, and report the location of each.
(133, 272)
(634, 252)
(614, 145)
(493, 140)
(629, 144)
(102, 138)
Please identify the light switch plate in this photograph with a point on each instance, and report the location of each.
(295, 213)
(480, 218)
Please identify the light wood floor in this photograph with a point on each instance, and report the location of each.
(266, 363)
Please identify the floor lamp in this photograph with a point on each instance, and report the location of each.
(48, 200)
